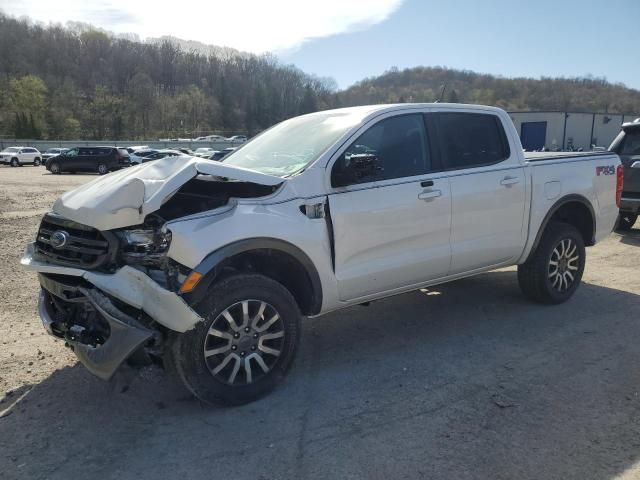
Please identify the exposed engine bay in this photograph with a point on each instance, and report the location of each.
(204, 193)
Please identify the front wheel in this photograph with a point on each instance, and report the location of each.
(15, 162)
(554, 270)
(626, 221)
(55, 168)
(244, 346)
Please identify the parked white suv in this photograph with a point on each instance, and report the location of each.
(210, 265)
(17, 156)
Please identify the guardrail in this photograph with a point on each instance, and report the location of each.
(43, 145)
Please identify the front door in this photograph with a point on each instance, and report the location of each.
(391, 229)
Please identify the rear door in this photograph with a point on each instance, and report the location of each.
(27, 155)
(86, 159)
(391, 230)
(488, 190)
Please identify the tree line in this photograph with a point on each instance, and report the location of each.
(77, 82)
(428, 84)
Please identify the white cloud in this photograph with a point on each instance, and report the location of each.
(250, 25)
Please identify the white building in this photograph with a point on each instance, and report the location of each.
(563, 130)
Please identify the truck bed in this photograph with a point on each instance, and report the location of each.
(539, 156)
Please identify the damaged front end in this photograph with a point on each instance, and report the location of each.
(110, 288)
(101, 335)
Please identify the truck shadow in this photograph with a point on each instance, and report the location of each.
(463, 380)
(632, 237)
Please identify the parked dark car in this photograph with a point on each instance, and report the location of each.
(627, 146)
(89, 159)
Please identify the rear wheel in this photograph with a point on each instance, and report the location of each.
(55, 168)
(245, 345)
(554, 270)
(626, 221)
(36, 162)
(15, 162)
(103, 169)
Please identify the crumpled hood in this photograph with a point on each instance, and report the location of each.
(125, 197)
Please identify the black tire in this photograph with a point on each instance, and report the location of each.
(54, 168)
(187, 350)
(15, 162)
(538, 279)
(102, 169)
(626, 221)
(36, 162)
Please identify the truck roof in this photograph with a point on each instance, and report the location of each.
(367, 109)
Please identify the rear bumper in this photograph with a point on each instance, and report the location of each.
(125, 334)
(631, 205)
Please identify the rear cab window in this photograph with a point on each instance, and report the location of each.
(468, 140)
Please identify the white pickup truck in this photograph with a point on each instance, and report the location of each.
(209, 266)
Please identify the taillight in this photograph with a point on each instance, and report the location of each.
(619, 183)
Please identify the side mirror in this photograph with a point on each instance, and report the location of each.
(357, 168)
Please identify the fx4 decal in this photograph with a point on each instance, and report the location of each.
(606, 170)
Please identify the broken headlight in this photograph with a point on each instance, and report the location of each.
(144, 245)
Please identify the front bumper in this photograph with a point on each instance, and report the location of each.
(87, 309)
(130, 286)
(631, 205)
(125, 335)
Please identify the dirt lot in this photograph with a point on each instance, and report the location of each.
(464, 381)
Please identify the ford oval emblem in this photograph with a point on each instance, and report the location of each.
(59, 238)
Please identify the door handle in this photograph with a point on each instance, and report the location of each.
(426, 183)
(506, 181)
(430, 195)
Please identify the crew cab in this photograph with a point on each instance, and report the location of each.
(209, 266)
(627, 146)
(18, 156)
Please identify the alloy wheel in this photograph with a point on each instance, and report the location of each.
(563, 265)
(244, 342)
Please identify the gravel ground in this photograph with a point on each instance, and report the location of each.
(465, 381)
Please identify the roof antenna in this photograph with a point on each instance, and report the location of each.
(444, 87)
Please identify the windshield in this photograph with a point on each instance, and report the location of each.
(291, 145)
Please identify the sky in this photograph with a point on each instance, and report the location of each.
(353, 39)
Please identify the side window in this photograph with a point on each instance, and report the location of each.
(471, 139)
(395, 147)
(72, 153)
(631, 143)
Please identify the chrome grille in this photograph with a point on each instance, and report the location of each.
(84, 246)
